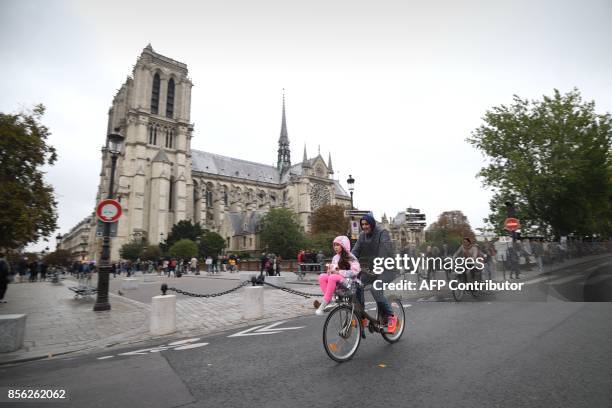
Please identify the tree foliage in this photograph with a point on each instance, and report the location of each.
(183, 249)
(551, 158)
(183, 230)
(211, 244)
(132, 250)
(28, 210)
(450, 229)
(151, 253)
(330, 219)
(281, 232)
(60, 257)
(321, 241)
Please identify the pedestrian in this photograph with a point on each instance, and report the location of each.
(344, 270)
(194, 265)
(277, 265)
(320, 260)
(262, 262)
(5, 270)
(208, 263)
(215, 264)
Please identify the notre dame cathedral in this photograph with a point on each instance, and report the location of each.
(160, 180)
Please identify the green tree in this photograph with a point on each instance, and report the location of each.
(151, 253)
(330, 219)
(28, 210)
(60, 257)
(321, 241)
(551, 158)
(182, 230)
(183, 249)
(280, 232)
(211, 244)
(450, 229)
(132, 250)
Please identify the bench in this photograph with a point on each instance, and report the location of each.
(305, 268)
(83, 291)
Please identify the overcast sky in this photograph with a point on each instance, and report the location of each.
(391, 88)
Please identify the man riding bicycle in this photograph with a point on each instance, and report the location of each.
(374, 242)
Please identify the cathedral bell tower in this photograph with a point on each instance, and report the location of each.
(284, 153)
(152, 111)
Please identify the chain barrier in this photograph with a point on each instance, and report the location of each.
(255, 281)
(165, 288)
(293, 291)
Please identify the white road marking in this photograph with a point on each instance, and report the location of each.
(191, 346)
(178, 343)
(105, 357)
(260, 330)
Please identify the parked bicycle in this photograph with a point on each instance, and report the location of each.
(346, 323)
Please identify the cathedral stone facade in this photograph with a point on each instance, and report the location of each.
(160, 180)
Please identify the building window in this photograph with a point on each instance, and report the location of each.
(244, 242)
(170, 195)
(153, 135)
(225, 198)
(250, 242)
(170, 99)
(155, 95)
(209, 198)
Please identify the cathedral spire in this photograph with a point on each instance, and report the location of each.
(284, 153)
(330, 169)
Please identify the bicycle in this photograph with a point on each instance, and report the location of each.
(345, 325)
(464, 279)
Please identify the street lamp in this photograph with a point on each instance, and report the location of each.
(114, 142)
(58, 240)
(351, 186)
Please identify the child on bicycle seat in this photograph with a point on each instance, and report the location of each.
(344, 269)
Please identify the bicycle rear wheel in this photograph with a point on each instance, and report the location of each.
(458, 293)
(341, 336)
(398, 311)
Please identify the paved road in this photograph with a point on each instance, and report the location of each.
(469, 354)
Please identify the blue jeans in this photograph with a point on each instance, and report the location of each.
(379, 295)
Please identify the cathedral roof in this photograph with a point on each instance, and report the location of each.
(216, 164)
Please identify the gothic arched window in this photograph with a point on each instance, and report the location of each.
(170, 99)
(209, 198)
(155, 95)
(152, 134)
(171, 195)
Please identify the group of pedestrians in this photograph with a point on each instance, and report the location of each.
(270, 264)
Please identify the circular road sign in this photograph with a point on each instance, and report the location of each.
(108, 210)
(512, 224)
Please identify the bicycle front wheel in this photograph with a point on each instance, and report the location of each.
(341, 335)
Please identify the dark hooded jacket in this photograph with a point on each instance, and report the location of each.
(370, 246)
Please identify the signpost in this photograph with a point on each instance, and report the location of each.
(108, 210)
(511, 224)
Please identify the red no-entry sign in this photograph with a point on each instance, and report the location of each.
(108, 210)
(511, 224)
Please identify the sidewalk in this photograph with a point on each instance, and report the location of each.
(59, 324)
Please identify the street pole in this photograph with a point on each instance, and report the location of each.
(104, 266)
